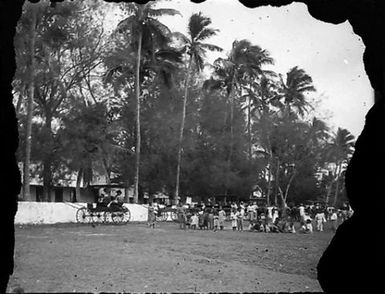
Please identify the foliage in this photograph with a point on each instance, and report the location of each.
(245, 127)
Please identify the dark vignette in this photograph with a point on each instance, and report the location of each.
(355, 257)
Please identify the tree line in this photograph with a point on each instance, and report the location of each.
(136, 106)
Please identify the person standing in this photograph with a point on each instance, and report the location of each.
(301, 210)
(221, 218)
(181, 216)
(194, 221)
(275, 214)
(233, 217)
(211, 218)
(151, 216)
(334, 220)
(240, 216)
(320, 220)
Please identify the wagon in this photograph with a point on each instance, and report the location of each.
(102, 213)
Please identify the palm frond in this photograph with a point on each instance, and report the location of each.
(162, 11)
(206, 33)
(197, 23)
(210, 47)
(127, 24)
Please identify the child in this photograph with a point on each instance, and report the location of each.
(201, 220)
(151, 216)
(205, 220)
(334, 219)
(240, 215)
(211, 219)
(216, 221)
(320, 220)
(233, 217)
(181, 216)
(194, 221)
(221, 218)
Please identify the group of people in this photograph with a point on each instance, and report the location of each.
(251, 217)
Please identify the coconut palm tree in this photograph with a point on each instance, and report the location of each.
(293, 91)
(144, 31)
(243, 64)
(340, 149)
(193, 44)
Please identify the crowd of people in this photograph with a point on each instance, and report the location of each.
(251, 217)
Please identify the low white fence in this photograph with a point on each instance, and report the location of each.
(64, 212)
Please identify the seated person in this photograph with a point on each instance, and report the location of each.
(273, 227)
(307, 228)
(119, 197)
(106, 200)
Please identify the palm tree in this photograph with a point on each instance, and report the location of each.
(293, 91)
(198, 32)
(143, 31)
(243, 63)
(340, 149)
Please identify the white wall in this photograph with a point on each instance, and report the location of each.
(63, 212)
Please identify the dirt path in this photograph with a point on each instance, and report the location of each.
(134, 258)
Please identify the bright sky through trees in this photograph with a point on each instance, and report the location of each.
(330, 54)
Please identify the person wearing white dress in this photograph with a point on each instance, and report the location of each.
(233, 217)
(194, 221)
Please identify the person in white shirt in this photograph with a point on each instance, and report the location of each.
(301, 209)
(240, 216)
(320, 220)
(221, 218)
(275, 214)
(233, 217)
(194, 221)
(334, 220)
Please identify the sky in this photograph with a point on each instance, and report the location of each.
(330, 54)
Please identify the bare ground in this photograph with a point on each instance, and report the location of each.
(135, 258)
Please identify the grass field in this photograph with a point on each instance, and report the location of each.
(135, 258)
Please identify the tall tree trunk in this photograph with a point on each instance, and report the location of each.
(284, 198)
(249, 125)
(127, 191)
(277, 184)
(329, 191)
(78, 180)
(47, 162)
(268, 187)
(231, 96)
(337, 184)
(138, 137)
(28, 127)
(186, 84)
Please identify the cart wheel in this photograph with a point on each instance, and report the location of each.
(82, 215)
(126, 214)
(117, 217)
